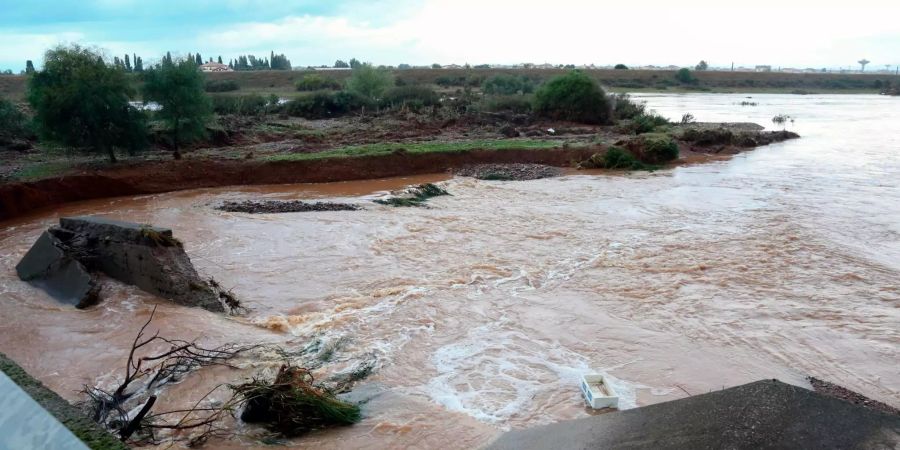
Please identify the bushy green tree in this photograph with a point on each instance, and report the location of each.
(702, 65)
(354, 63)
(685, 76)
(81, 102)
(339, 64)
(369, 82)
(186, 109)
(620, 67)
(574, 96)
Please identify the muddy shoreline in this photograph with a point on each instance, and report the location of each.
(153, 177)
(17, 199)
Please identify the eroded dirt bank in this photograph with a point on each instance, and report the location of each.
(17, 199)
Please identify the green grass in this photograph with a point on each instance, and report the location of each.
(40, 170)
(420, 147)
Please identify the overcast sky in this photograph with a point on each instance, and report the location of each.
(680, 32)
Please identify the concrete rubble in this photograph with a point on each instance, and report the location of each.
(65, 259)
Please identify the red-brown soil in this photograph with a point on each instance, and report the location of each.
(163, 176)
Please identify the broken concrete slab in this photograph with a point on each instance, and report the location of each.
(146, 256)
(764, 414)
(46, 265)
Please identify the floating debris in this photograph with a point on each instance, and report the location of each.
(508, 172)
(415, 196)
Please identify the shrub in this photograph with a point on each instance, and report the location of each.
(13, 123)
(574, 96)
(625, 108)
(518, 104)
(685, 76)
(325, 104)
(221, 86)
(657, 148)
(241, 105)
(619, 158)
(647, 123)
(507, 85)
(687, 118)
(369, 82)
(313, 82)
(414, 96)
(620, 67)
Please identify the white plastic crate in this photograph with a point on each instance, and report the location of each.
(598, 393)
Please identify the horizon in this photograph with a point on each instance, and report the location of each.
(421, 33)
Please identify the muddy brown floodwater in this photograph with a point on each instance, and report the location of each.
(483, 311)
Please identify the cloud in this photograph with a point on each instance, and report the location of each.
(795, 34)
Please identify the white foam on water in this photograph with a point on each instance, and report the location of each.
(496, 374)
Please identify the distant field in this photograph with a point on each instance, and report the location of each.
(282, 82)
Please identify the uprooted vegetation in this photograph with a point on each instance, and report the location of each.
(291, 403)
(414, 196)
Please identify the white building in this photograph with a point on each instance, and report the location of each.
(215, 67)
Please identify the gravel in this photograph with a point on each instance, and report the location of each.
(509, 171)
(276, 206)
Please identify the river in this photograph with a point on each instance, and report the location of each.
(481, 312)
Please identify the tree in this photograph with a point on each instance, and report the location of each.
(81, 102)
(186, 109)
(620, 67)
(435, 66)
(369, 82)
(684, 75)
(167, 59)
(138, 64)
(354, 63)
(574, 96)
(29, 67)
(339, 64)
(199, 60)
(127, 63)
(702, 65)
(220, 59)
(13, 123)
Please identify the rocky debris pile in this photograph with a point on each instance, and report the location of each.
(65, 260)
(414, 196)
(518, 171)
(276, 206)
(833, 390)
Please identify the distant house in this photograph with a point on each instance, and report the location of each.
(453, 66)
(763, 68)
(215, 67)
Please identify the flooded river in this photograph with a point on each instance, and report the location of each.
(481, 313)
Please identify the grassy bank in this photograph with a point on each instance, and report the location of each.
(420, 147)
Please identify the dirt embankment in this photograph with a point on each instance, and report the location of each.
(17, 199)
